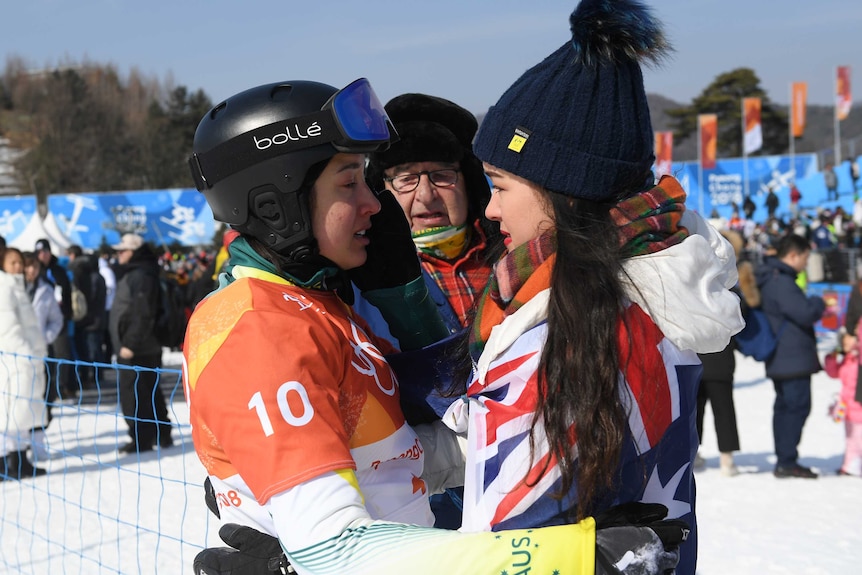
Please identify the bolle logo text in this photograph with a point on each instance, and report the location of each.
(313, 131)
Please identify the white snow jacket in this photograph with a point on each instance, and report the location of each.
(48, 313)
(685, 289)
(22, 366)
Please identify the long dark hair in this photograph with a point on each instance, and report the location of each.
(579, 368)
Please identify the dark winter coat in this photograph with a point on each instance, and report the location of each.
(784, 303)
(56, 274)
(201, 285)
(771, 202)
(748, 207)
(132, 318)
(86, 277)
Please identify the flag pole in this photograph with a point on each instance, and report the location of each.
(700, 167)
(792, 139)
(744, 151)
(836, 160)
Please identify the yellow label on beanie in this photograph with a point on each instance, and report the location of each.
(519, 139)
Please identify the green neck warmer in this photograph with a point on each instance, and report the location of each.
(242, 254)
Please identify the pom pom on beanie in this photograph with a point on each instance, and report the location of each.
(578, 122)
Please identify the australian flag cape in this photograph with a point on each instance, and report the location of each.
(659, 389)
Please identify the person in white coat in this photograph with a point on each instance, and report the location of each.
(22, 375)
(41, 293)
(40, 290)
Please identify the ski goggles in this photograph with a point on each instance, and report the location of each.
(353, 121)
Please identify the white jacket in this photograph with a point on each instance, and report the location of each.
(22, 366)
(48, 312)
(685, 288)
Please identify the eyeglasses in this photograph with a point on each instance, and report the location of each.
(406, 183)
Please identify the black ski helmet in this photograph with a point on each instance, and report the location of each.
(251, 153)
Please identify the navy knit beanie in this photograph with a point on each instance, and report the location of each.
(578, 123)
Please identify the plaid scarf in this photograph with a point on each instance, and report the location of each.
(461, 279)
(649, 221)
(517, 277)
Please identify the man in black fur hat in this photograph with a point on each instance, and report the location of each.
(442, 189)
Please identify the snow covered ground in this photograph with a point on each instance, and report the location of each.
(755, 523)
(749, 524)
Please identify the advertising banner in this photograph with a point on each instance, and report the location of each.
(798, 108)
(663, 153)
(752, 139)
(724, 185)
(836, 297)
(15, 214)
(163, 217)
(843, 99)
(707, 125)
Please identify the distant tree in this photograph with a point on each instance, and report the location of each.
(5, 98)
(61, 120)
(723, 97)
(168, 138)
(83, 128)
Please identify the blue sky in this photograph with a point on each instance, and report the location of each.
(467, 51)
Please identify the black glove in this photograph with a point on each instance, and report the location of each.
(251, 553)
(635, 539)
(392, 259)
(210, 497)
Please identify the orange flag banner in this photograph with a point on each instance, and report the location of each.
(663, 153)
(798, 107)
(842, 96)
(708, 126)
(752, 139)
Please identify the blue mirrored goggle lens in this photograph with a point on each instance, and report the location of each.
(360, 113)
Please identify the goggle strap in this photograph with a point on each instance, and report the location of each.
(261, 144)
(197, 174)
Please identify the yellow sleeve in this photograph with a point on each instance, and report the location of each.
(380, 547)
(221, 257)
